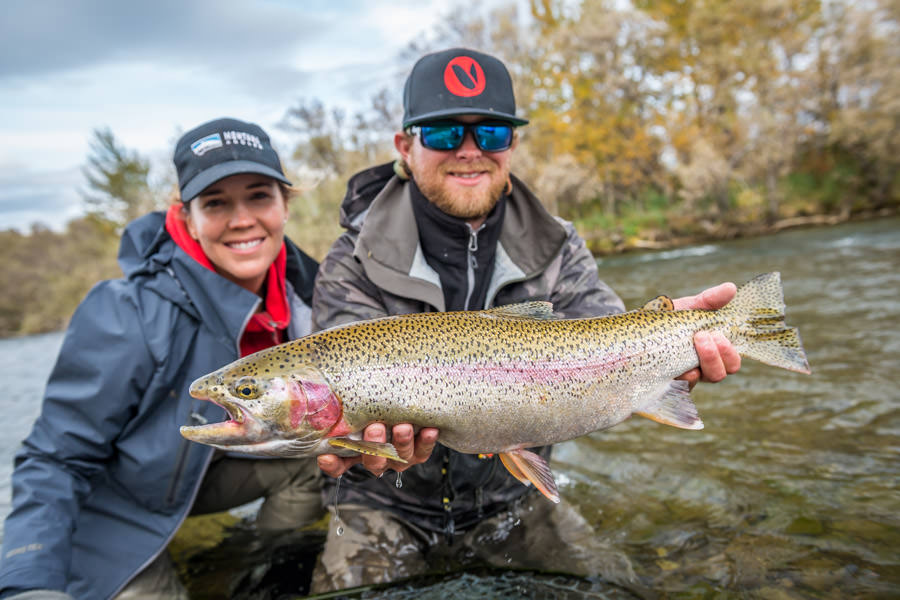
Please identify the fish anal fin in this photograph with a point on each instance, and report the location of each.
(524, 310)
(526, 466)
(513, 468)
(672, 406)
(382, 449)
(660, 303)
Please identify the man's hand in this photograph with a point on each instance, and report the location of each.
(414, 449)
(718, 357)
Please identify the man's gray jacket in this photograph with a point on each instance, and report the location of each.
(105, 479)
(376, 268)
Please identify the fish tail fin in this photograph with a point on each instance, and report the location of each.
(759, 331)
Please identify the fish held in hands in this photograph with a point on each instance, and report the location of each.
(492, 381)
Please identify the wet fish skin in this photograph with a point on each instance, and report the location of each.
(493, 381)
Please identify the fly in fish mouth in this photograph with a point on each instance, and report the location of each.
(201, 389)
(233, 431)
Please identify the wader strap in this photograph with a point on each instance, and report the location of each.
(447, 495)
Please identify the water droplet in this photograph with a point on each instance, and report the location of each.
(337, 517)
(399, 482)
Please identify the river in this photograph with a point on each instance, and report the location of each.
(791, 490)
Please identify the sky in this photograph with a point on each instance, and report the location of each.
(151, 70)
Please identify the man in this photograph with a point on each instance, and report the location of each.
(448, 227)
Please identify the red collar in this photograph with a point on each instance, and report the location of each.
(276, 313)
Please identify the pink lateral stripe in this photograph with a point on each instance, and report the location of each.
(537, 372)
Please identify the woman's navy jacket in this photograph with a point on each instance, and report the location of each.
(105, 479)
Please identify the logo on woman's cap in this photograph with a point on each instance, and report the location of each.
(205, 144)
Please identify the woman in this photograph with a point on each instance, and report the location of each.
(104, 480)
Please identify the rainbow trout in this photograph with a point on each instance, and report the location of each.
(492, 381)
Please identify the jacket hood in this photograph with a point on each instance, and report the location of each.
(142, 239)
(361, 191)
(148, 254)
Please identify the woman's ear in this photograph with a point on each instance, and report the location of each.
(185, 214)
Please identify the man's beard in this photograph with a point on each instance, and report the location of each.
(463, 203)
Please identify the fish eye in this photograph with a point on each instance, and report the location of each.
(246, 388)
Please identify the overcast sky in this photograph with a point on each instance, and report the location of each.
(149, 70)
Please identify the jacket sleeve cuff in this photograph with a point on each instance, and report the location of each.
(35, 595)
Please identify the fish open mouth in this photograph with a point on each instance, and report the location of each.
(235, 430)
(235, 412)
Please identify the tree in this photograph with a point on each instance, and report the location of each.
(858, 100)
(118, 180)
(735, 79)
(594, 103)
(46, 274)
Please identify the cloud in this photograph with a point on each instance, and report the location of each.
(50, 198)
(172, 54)
(150, 70)
(52, 36)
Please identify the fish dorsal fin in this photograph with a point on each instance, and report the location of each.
(660, 303)
(524, 310)
(526, 466)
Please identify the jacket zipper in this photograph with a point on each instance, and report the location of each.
(195, 419)
(472, 264)
(171, 535)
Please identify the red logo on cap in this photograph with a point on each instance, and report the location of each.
(464, 77)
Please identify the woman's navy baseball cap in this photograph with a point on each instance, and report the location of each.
(458, 82)
(219, 149)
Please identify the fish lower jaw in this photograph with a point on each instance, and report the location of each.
(277, 447)
(226, 433)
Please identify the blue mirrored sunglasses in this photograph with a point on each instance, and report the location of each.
(449, 135)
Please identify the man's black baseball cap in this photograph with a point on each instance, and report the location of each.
(458, 82)
(219, 149)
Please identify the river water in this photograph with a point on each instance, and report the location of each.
(790, 491)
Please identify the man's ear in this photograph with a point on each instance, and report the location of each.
(403, 143)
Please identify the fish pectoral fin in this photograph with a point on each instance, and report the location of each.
(382, 449)
(673, 406)
(660, 303)
(528, 467)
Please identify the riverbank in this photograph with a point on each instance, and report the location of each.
(703, 231)
(44, 290)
